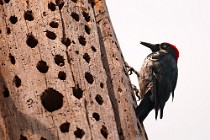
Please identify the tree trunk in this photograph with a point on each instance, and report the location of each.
(62, 73)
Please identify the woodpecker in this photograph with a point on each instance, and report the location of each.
(157, 79)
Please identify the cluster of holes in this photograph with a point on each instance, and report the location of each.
(79, 133)
(89, 77)
(104, 131)
(54, 24)
(66, 41)
(31, 40)
(51, 99)
(59, 60)
(23, 137)
(42, 66)
(62, 75)
(51, 35)
(12, 58)
(82, 40)
(5, 91)
(17, 81)
(28, 15)
(75, 16)
(86, 57)
(99, 99)
(64, 128)
(77, 92)
(13, 19)
(96, 116)
(8, 30)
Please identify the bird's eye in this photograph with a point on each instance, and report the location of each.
(164, 46)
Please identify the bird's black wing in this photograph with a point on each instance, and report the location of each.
(164, 78)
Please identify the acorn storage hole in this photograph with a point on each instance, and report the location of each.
(77, 92)
(99, 99)
(8, 30)
(17, 81)
(6, 1)
(86, 57)
(64, 128)
(28, 15)
(60, 4)
(75, 16)
(104, 131)
(87, 29)
(23, 137)
(31, 40)
(86, 16)
(96, 116)
(89, 77)
(54, 24)
(51, 35)
(82, 40)
(59, 60)
(51, 6)
(62, 75)
(42, 66)
(93, 48)
(13, 19)
(42, 138)
(5, 91)
(51, 99)
(66, 41)
(12, 58)
(79, 133)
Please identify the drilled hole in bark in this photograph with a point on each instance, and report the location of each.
(8, 30)
(44, 13)
(87, 29)
(0, 31)
(93, 48)
(104, 131)
(54, 24)
(23, 137)
(86, 16)
(5, 91)
(13, 19)
(82, 40)
(42, 66)
(75, 1)
(79, 133)
(51, 99)
(51, 35)
(6, 1)
(66, 41)
(42, 138)
(31, 41)
(102, 85)
(89, 77)
(96, 116)
(64, 128)
(99, 99)
(59, 60)
(17, 81)
(12, 59)
(62, 75)
(86, 57)
(75, 16)
(77, 52)
(51, 6)
(77, 92)
(60, 4)
(28, 15)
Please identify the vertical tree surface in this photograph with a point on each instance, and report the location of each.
(62, 73)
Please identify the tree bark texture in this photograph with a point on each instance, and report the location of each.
(62, 73)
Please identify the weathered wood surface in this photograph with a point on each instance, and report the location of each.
(62, 73)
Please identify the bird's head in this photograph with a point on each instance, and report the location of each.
(163, 47)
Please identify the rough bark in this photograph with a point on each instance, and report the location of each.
(62, 73)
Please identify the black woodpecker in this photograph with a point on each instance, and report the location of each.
(157, 79)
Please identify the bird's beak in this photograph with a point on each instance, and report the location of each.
(153, 47)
